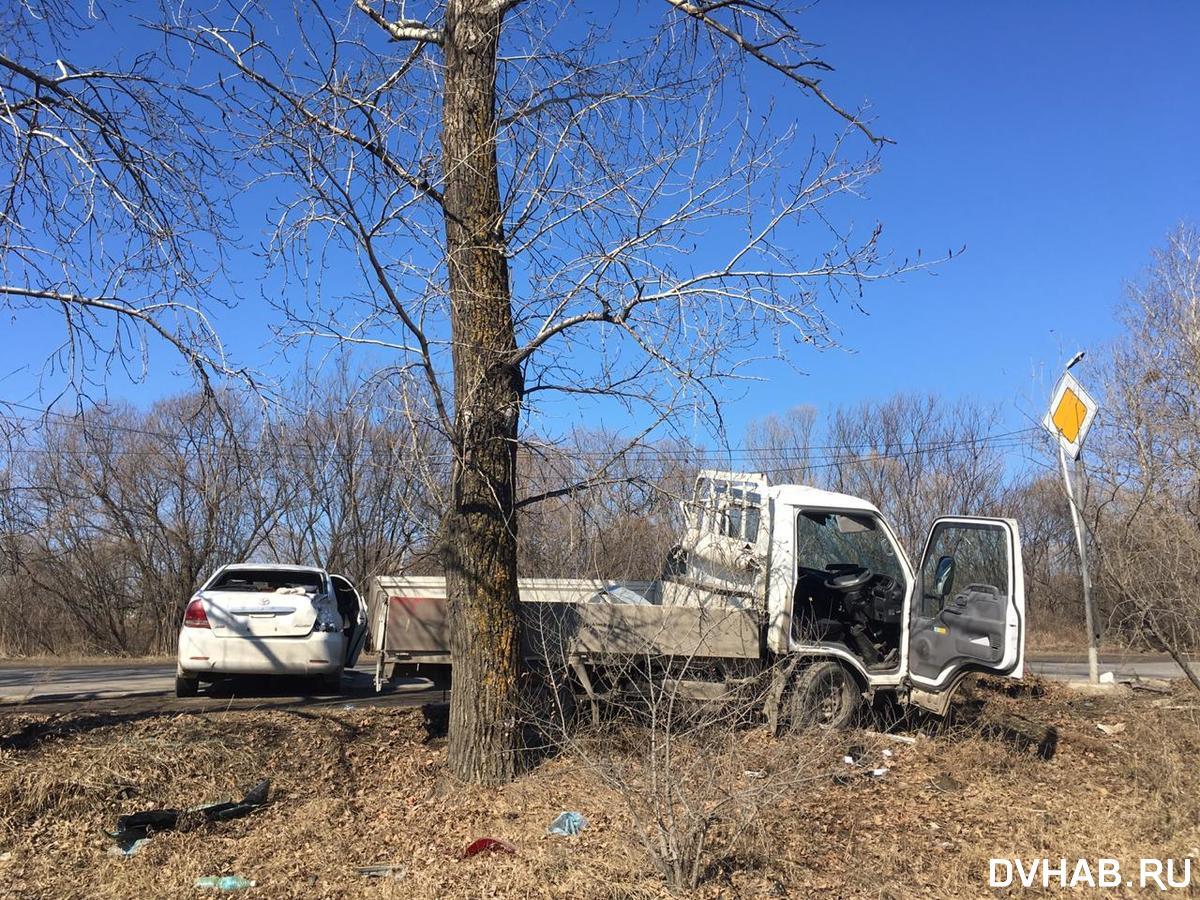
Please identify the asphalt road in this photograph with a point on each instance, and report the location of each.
(151, 686)
(140, 686)
(1066, 668)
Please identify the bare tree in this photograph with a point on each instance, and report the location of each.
(620, 526)
(1145, 490)
(1050, 555)
(366, 483)
(781, 445)
(538, 209)
(112, 517)
(918, 458)
(110, 194)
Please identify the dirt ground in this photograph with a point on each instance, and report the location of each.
(354, 787)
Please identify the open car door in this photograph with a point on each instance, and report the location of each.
(354, 612)
(968, 613)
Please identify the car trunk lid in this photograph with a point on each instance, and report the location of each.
(260, 614)
(267, 603)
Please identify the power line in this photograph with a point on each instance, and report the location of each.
(848, 452)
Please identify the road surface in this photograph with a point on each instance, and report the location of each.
(142, 686)
(1066, 668)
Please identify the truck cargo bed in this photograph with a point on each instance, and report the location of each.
(567, 618)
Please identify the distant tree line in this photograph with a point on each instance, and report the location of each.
(110, 519)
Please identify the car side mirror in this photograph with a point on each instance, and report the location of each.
(943, 577)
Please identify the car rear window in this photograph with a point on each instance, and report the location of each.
(266, 580)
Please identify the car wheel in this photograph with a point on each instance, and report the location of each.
(185, 686)
(824, 695)
(331, 684)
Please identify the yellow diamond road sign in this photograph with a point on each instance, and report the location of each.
(1070, 415)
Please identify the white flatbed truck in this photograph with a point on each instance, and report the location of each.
(808, 588)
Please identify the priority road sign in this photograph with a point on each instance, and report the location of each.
(1070, 415)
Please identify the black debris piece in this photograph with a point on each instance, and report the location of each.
(140, 825)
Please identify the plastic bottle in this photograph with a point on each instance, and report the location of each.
(224, 882)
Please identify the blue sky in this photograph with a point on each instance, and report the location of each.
(1055, 141)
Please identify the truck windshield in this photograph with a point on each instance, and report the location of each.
(824, 539)
(266, 580)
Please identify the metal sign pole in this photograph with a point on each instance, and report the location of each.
(1088, 611)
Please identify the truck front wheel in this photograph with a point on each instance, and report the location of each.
(824, 695)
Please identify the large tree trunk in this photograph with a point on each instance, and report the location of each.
(480, 546)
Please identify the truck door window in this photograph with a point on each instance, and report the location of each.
(827, 538)
(980, 554)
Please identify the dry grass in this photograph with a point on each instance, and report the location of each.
(360, 786)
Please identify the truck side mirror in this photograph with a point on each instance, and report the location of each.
(943, 577)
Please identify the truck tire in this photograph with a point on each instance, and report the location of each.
(824, 695)
(186, 686)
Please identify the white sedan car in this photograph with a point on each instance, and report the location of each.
(252, 619)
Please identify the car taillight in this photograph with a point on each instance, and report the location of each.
(193, 616)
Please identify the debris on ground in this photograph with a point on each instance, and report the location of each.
(382, 871)
(567, 824)
(945, 784)
(376, 782)
(487, 845)
(224, 883)
(1151, 685)
(1026, 687)
(133, 830)
(1022, 733)
(123, 849)
(897, 738)
(1111, 730)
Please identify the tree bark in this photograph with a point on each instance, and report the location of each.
(480, 549)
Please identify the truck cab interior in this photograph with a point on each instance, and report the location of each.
(850, 586)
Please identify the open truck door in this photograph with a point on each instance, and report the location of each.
(968, 611)
(354, 612)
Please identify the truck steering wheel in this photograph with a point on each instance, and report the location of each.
(848, 579)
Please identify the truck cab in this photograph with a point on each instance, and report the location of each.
(834, 584)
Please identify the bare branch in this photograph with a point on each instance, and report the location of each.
(401, 29)
(759, 49)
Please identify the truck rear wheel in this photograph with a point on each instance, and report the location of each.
(824, 695)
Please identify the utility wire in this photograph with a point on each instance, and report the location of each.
(832, 454)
